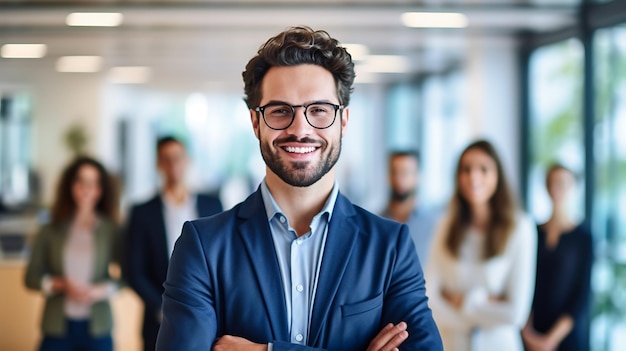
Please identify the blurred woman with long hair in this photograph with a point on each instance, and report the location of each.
(70, 260)
(560, 315)
(481, 272)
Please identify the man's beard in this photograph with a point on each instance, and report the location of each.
(298, 174)
(402, 196)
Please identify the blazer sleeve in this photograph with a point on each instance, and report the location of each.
(117, 256)
(189, 318)
(406, 299)
(445, 314)
(579, 299)
(135, 267)
(37, 267)
(515, 307)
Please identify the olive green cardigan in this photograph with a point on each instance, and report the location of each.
(47, 260)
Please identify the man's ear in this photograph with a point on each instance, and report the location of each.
(345, 116)
(254, 118)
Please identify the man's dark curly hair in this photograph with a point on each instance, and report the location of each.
(297, 46)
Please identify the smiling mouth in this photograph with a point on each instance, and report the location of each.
(299, 150)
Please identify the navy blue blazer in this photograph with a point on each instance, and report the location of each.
(146, 254)
(224, 278)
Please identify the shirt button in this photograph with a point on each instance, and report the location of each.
(282, 219)
(299, 337)
(299, 287)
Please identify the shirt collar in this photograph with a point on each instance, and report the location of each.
(188, 203)
(271, 207)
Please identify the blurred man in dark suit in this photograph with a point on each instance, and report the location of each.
(153, 228)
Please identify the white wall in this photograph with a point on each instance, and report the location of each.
(493, 99)
(480, 102)
(491, 111)
(59, 101)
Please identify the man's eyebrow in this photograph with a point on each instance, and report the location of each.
(272, 102)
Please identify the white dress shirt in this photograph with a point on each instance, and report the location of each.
(175, 215)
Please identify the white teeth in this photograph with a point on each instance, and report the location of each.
(299, 150)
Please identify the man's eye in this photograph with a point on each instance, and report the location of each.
(318, 110)
(279, 111)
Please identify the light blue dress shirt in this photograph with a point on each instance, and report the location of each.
(299, 259)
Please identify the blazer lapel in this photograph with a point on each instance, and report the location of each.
(256, 236)
(101, 246)
(342, 235)
(58, 248)
(201, 207)
(159, 231)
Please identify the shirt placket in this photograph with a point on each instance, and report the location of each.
(299, 296)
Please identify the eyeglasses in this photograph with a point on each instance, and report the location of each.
(279, 116)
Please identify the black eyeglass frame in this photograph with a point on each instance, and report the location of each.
(261, 109)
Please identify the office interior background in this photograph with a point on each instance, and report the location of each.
(544, 80)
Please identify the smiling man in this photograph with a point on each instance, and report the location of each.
(297, 266)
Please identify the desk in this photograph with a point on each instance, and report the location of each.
(20, 313)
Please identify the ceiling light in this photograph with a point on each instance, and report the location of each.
(434, 20)
(358, 52)
(385, 64)
(79, 64)
(94, 19)
(23, 50)
(129, 75)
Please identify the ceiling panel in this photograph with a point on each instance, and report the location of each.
(199, 41)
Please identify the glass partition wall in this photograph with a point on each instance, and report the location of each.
(609, 198)
(576, 115)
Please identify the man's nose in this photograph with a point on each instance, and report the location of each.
(299, 126)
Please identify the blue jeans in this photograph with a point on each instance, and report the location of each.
(77, 338)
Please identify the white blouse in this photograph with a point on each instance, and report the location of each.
(78, 265)
(482, 324)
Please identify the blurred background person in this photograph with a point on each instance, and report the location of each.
(560, 315)
(71, 257)
(153, 228)
(481, 272)
(404, 180)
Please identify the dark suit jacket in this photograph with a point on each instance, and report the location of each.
(224, 278)
(146, 252)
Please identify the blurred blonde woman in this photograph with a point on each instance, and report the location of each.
(560, 313)
(481, 272)
(70, 261)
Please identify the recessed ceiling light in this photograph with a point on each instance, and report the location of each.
(94, 19)
(129, 75)
(23, 50)
(79, 64)
(434, 20)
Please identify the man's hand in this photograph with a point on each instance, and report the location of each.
(235, 343)
(390, 338)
